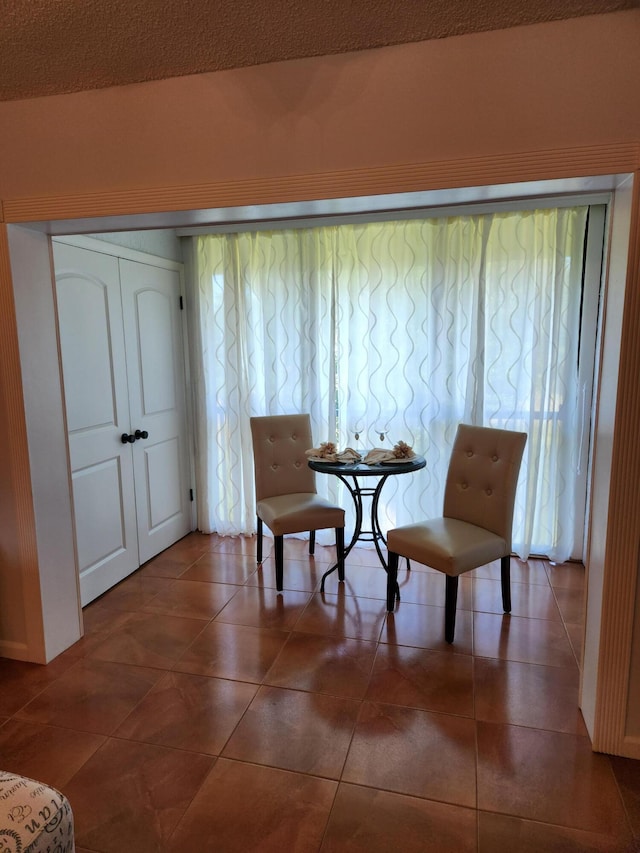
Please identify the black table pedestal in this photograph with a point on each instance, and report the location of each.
(349, 475)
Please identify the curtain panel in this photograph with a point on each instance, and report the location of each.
(395, 331)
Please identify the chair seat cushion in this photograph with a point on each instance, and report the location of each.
(34, 818)
(447, 544)
(298, 512)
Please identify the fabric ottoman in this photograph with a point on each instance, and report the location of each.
(34, 818)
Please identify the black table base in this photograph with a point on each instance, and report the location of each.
(349, 474)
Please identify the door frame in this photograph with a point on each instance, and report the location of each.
(29, 222)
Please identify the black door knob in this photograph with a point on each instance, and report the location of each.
(127, 438)
(141, 433)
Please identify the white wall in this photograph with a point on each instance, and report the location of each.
(57, 609)
(609, 358)
(163, 243)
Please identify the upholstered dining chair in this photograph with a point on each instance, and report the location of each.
(286, 497)
(476, 522)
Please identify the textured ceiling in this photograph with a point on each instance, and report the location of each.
(55, 46)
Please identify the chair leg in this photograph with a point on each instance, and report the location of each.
(259, 541)
(278, 543)
(450, 601)
(392, 580)
(312, 542)
(505, 577)
(340, 552)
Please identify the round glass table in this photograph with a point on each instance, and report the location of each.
(350, 474)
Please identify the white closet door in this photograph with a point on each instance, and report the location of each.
(155, 371)
(96, 398)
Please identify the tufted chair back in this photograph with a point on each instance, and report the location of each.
(482, 478)
(475, 527)
(286, 497)
(279, 444)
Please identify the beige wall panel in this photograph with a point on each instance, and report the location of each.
(547, 86)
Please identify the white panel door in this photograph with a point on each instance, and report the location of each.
(96, 398)
(156, 378)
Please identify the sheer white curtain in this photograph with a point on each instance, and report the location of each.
(264, 322)
(401, 330)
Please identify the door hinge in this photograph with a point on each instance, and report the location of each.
(181, 304)
(190, 494)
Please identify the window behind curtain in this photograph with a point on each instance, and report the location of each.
(402, 330)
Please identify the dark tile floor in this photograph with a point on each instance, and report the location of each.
(204, 711)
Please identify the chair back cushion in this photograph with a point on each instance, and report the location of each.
(482, 477)
(280, 464)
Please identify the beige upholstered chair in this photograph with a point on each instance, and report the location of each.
(286, 498)
(475, 527)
